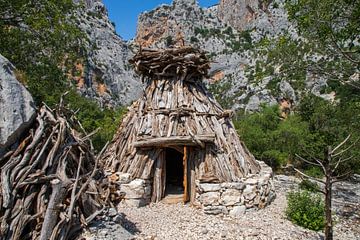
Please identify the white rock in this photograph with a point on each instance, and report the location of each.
(237, 211)
(136, 189)
(230, 197)
(16, 106)
(249, 189)
(210, 187)
(135, 202)
(210, 198)
(214, 210)
(234, 185)
(124, 177)
(252, 181)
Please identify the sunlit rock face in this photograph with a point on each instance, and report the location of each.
(16, 106)
(105, 74)
(229, 31)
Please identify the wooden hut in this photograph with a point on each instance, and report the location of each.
(177, 133)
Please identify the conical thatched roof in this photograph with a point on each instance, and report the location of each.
(175, 111)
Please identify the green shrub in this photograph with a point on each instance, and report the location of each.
(169, 41)
(306, 210)
(313, 171)
(275, 158)
(309, 186)
(93, 117)
(194, 39)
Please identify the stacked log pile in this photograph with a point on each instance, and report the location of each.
(171, 62)
(49, 181)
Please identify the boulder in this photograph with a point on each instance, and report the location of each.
(137, 188)
(16, 104)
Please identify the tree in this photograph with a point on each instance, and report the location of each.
(331, 29)
(333, 158)
(41, 38)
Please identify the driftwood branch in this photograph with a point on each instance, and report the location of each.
(48, 175)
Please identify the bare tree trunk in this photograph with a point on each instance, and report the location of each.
(331, 161)
(328, 192)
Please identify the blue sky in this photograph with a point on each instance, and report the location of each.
(124, 13)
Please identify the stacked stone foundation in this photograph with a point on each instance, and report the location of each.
(229, 198)
(234, 198)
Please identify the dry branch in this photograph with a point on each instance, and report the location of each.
(45, 180)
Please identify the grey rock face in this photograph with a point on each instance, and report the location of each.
(107, 76)
(218, 30)
(16, 105)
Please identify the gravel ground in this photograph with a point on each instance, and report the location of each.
(176, 221)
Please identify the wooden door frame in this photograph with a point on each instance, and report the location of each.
(185, 175)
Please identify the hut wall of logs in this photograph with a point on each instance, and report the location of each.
(176, 111)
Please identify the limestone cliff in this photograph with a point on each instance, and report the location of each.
(105, 74)
(230, 32)
(16, 105)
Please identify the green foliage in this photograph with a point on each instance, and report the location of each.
(42, 39)
(314, 125)
(204, 32)
(217, 89)
(314, 171)
(228, 31)
(306, 210)
(92, 117)
(309, 186)
(332, 29)
(194, 39)
(169, 41)
(46, 48)
(272, 139)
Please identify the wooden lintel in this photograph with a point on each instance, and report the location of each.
(177, 140)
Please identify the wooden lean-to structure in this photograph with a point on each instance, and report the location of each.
(49, 180)
(176, 111)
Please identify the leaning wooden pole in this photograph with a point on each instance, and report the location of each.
(185, 162)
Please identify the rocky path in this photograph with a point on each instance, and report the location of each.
(176, 221)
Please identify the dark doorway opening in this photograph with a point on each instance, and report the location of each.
(174, 172)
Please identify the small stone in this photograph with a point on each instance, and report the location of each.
(230, 197)
(112, 212)
(204, 231)
(118, 219)
(210, 187)
(249, 189)
(238, 211)
(234, 185)
(210, 198)
(252, 181)
(214, 210)
(124, 177)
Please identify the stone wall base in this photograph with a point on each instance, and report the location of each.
(228, 198)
